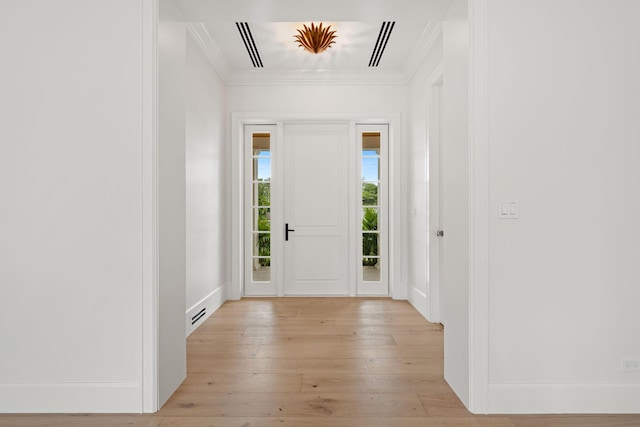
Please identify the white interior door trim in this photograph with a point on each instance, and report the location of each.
(478, 207)
(149, 203)
(236, 156)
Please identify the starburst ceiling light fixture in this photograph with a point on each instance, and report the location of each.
(315, 39)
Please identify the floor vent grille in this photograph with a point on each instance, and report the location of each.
(198, 316)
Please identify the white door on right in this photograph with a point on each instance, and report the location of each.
(373, 209)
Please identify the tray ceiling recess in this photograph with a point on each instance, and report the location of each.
(377, 41)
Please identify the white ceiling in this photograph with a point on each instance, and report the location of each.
(273, 24)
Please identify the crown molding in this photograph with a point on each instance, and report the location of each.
(422, 48)
(211, 50)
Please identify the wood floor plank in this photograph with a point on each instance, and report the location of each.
(223, 339)
(254, 315)
(311, 350)
(339, 383)
(318, 422)
(406, 366)
(221, 382)
(268, 321)
(377, 340)
(277, 366)
(214, 351)
(576, 420)
(435, 338)
(492, 421)
(384, 319)
(232, 329)
(80, 420)
(354, 329)
(295, 405)
(440, 403)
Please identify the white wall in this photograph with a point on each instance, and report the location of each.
(326, 101)
(206, 180)
(420, 150)
(564, 141)
(455, 209)
(321, 98)
(172, 88)
(192, 184)
(70, 180)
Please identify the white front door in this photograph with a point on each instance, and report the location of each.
(316, 209)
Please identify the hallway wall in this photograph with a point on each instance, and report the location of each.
(206, 183)
(71, 219)
(564, 104)
(171, 195)
(192, 192)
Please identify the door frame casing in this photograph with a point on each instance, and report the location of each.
(236, 157)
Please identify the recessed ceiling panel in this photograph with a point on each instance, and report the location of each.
(352, 50)
(411, 26)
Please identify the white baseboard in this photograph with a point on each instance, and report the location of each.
(71, 398)
(564, 398)
(418, 299)
(204, 308)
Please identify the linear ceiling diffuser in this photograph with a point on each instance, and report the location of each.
(381, 43)
(250, 44)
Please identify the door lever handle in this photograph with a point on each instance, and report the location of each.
(287, 230)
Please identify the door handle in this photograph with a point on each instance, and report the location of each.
(440, 233)
(286, 232)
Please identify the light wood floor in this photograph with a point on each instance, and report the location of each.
(315, 362)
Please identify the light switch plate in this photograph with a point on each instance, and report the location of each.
(630, 365)
(508, 209)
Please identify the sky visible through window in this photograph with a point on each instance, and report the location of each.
(264, 168)
(370, 171)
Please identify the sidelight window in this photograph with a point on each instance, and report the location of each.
(261, 207)
(371, 191)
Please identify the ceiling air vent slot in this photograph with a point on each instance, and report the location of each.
(381, 43)
(198, 316)
(249, 43)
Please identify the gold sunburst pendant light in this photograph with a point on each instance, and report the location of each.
(315, 39)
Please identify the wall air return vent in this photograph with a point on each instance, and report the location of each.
(381, 43)
(249, 43)
(198, 316)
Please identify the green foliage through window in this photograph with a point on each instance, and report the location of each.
(369, 194)
(370, 240)
(264, 222)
